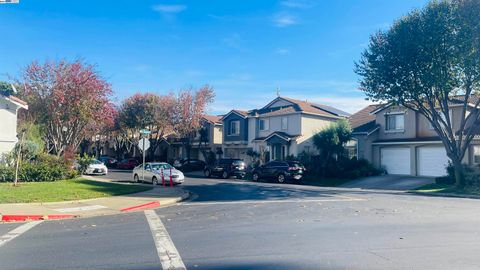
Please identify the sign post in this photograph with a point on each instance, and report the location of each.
(143, 144)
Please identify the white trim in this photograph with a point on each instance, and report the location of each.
(276, 134)
(412, 142)
(275, 100)
(235, 112)
(16, 103)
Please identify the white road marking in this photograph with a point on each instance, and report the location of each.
(17, 232)
(81, 208)
(167, 252)
(333, 199)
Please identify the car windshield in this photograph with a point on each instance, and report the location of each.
(159, 166)
(96, 162)
(294, 164)
(237, 162)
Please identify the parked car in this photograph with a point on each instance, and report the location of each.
(128, 163)
(193, 165)
(281, 171)
(96, 167)
(153, 173)
(110, 162)
(225, 168)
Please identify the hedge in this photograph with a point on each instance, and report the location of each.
(37, 172)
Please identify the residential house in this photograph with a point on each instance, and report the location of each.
(403, 142)
(208, 138)
(281, 128)
(9, 106)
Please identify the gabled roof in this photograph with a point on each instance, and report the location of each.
(241, 113)
(214, 119)
(472, 101)
(283, 135)
(363, 116)
(295, 105)
(20, 103)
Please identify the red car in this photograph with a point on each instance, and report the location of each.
(128, 164)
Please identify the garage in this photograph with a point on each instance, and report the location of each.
(395, 160)
(432, 161)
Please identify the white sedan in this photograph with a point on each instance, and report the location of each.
(153, 173)
(96, 167)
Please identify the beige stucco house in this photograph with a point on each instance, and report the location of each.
(9, 106)
(281, 128)
(403, 142)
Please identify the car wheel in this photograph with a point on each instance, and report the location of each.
(281, 178)
(136, 178)
(225, 175)
(154, 181)
(207, 173)
(255, 177)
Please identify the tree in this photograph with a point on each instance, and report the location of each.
(428, 61)
(190, 107)
(331, 140)
(6, 89)
(69, 100)
(149, 111)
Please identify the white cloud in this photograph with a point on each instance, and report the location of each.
(282, 51)
(163, 8)
(284, 20)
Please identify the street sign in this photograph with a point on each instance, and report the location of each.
(145, 131)
(143, 144)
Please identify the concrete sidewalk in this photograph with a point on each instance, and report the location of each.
(157, 197)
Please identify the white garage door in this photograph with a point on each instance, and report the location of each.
(395, 160)
(432, 161)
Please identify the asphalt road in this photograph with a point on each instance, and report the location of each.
(233, 224)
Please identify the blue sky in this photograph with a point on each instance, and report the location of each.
(244, 49)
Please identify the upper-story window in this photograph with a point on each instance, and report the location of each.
(395, 122)
(284, 123)
(263, 124)
(234, 127)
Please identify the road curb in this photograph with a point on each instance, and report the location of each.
(7, 218)
(19, 218)
(448, 195)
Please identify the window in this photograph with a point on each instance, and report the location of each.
(395, 122)
(263, 124)
(284, 123)
(476, 154)
(234, 127)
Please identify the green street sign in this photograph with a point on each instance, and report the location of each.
(145, 131)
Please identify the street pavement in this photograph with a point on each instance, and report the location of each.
(236, 224)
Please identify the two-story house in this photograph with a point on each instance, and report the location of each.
(403, 142)
(9, 106)
(281, 128)
(208, 138)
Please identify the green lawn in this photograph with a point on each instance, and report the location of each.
(443, 188)
(65, 190)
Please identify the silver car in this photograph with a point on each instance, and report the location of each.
(153, 173)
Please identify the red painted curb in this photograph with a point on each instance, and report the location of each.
(10, 218)
(141, 206)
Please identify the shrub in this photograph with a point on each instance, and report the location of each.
(43, 168)
(83, 162)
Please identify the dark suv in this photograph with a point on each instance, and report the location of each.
(280, 171)
(225, 168)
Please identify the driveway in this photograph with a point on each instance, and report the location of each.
(390, 182)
